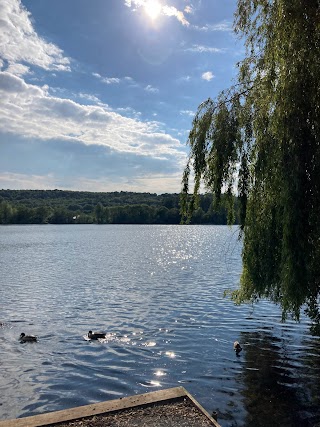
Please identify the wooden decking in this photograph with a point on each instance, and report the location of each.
(108, 408)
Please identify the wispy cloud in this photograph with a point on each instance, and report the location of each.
(89, 97)
(187, 113)
(173, 11)
(207, 76)
(184, 79)
(220, 26)
(189, 9)
(21, 44)
(129, 79)
(114, 80)
(129, 112)
(111, 80)
(151, 89)
(125, 80)
(203, 49)
(107, 80)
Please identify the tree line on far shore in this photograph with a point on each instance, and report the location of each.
(80, 207)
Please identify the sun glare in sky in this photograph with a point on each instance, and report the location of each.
(152, 8)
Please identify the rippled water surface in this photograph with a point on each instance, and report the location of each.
(158, 292)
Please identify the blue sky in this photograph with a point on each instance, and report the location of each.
(99, 95)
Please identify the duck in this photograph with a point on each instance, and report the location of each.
(237, 347)
(27, 338)
(96, 335)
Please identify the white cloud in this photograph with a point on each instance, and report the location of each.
(220, 26)
(151, 89)
(18, 69)
(172, 11)
(114, 80)
(207, 76)
(30, 111)
(20, 43)
(111, 80)
(89, 97)
(189, 9)
(185, 78)
(107, 80)
(10, 83)
(204, 49)
(187, 113)
(128, 111)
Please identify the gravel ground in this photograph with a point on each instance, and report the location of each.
(176, 414)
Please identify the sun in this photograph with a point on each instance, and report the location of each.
(152, 8)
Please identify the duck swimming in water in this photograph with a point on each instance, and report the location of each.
(237, 347)
(27, 338)
(96, 335)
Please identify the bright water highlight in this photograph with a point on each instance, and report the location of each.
(158, 293)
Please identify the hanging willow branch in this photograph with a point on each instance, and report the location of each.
(260, 140)
(216, 152)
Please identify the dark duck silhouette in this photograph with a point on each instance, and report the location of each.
(96, 335)
(237, 347)
(27, 338)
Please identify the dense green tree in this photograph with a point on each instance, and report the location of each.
(61, 215)
(174, 216)
(161, 216)
(23, 215)
(197, 216)
(99, 213)
(6, 213)
(40, 215)
(261, 139)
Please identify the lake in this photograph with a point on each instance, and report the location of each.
(158, 292)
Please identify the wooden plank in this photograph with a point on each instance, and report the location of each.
(201, 409)
(104, 407)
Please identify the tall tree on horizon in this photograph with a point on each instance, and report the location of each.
(262, 137)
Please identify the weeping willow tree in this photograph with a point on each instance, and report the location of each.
(260, 140)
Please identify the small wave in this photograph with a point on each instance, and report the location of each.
(171, 354)
(150, 384)
(150, 344)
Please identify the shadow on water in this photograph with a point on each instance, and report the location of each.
(280, 381)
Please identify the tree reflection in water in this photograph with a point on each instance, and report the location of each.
(281, 381)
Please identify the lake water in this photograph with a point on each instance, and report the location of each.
(158, 292)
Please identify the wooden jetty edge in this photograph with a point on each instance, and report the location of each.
(160, 397)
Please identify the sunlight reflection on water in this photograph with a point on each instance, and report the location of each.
(157, 291)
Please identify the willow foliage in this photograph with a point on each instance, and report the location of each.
(261, 141)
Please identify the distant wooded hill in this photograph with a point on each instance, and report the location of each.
(83, 207)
